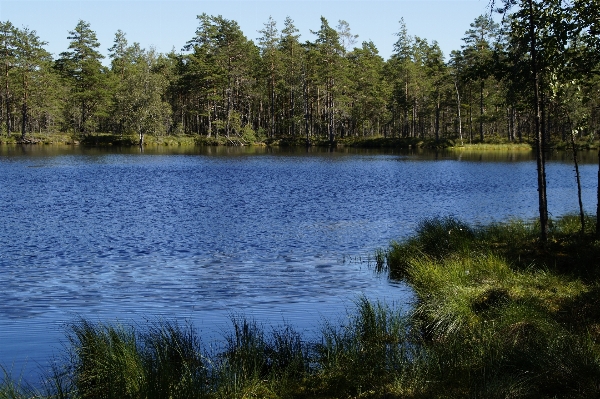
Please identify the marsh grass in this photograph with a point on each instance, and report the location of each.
(501, 315)
(14, 388)
(116, 361)
(366, 355)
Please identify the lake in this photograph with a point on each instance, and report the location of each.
(281, 236)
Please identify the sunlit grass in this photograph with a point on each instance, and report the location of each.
(508, 146)
(500, 314)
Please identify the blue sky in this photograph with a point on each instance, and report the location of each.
(168, 24)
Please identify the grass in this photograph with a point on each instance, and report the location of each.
(508, 146)
(496, 315)
(501, 315)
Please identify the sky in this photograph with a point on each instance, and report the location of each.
(169, 24)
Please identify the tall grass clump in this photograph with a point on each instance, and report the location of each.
(115, 361)
(173, 362)
(11, 388)
(106, 362)
(255, 363)
(498, 314)
(435, 238)
(366, 356)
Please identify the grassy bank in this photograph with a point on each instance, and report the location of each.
(129, 140)
(496, 315)
(361, 358)
(501, 315)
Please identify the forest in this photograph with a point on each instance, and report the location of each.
(222, 84)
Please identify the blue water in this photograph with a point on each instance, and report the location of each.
(280, 236)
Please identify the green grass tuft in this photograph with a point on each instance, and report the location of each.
(497, 312)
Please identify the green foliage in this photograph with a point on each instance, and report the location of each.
(86, 77)
(322, 90)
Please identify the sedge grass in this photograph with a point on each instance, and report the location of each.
(500, 314)
(367, 354)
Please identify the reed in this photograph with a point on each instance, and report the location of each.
(14, 388)
(256, 362)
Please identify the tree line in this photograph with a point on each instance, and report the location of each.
(223, 84)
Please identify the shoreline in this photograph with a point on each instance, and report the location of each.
(492, 305)
(113, 140)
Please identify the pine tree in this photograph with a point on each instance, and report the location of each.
(82, 69)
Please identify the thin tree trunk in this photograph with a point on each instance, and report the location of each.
(581, 214)
(24, 110)
(540, 141)
(437, 119)
(7, 103)
(306, 115)
(598, 200)
(470, 114)
(458, 108)
(272, 130)
(481, 110)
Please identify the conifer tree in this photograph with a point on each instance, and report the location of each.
(83, 71)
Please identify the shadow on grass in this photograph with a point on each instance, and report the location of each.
(499, 313)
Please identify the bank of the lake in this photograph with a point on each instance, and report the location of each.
(373, 142)
(497, 315)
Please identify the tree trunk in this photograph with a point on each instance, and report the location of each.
(481, 110)
(581, 214)
(539, 138)
(24, 110)
(458, 108)
(598, 200)
(272, 130)
(7, 103)
(437, 119)
(306, 115)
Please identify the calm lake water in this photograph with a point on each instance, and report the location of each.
(203, 234)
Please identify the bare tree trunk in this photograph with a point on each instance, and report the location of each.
(437, 119)
(306, 115)
(598, 200)
(24, 110)
(581, 214)
(7, 103)
(458, 108)
(481, 110)
(272, 130)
